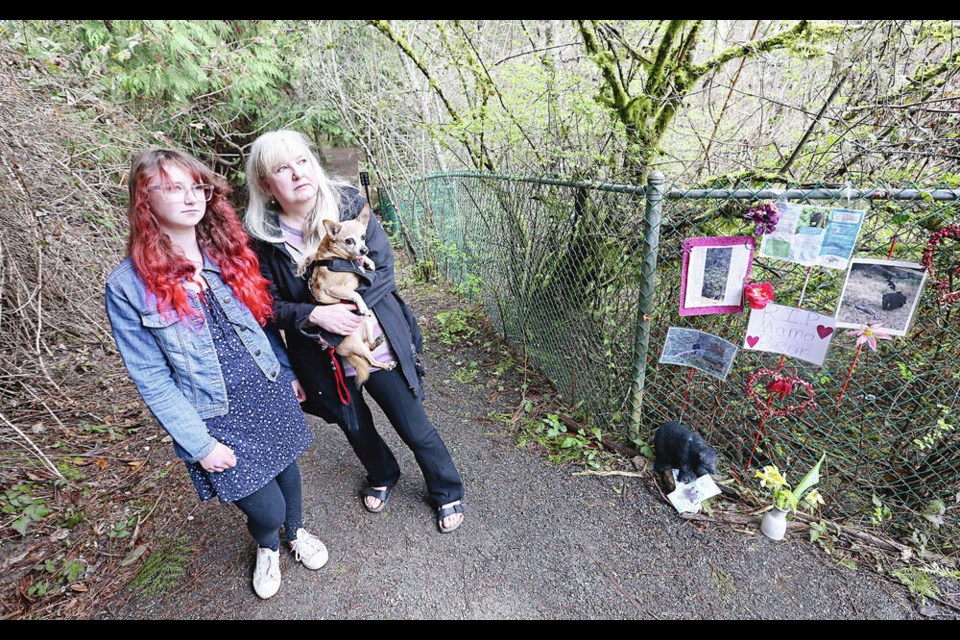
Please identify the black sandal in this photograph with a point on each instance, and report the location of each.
(445, 512)
(380, 494)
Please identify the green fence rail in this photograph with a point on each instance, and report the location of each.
(585, 280)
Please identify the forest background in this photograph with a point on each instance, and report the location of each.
(778, 102)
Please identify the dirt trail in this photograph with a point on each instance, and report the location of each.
(538, 542)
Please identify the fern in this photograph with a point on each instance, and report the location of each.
(918, 582)
(164, 568)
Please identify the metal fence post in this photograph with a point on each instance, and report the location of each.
(651, 242)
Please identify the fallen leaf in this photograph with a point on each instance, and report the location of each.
(59, 534)
(102, 463)
(79, 587)
(136, 464)
(133, 556)
(493, 397)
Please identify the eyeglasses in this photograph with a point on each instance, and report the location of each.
(177, 192)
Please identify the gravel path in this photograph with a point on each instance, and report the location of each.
(538, 542)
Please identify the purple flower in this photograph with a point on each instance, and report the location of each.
(765, 217)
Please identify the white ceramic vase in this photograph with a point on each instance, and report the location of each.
(774, 523)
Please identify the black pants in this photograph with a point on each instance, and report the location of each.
(406, 414)
(279, 502)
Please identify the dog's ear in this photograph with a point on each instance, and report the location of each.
(364, 217)
(333, 228)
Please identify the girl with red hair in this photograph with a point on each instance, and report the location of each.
(187, 309)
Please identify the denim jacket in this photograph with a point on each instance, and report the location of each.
(174, 363)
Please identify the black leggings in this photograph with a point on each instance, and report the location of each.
(279, 502)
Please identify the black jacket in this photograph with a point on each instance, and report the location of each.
(293, 303)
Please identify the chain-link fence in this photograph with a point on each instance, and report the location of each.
(563, 270)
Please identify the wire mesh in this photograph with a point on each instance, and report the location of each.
(559, 268)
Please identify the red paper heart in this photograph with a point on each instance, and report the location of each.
(823, 331)
(753, 340)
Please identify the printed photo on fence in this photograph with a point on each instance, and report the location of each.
(714, 270)
(797, 333)
(692, 348)
(884, 291)
(813, 236)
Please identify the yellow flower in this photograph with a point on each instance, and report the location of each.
(814, 499)
(770, 476)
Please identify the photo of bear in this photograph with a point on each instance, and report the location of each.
(884, 291)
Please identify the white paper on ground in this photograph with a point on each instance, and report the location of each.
(688, 496)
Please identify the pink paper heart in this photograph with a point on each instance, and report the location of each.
(823, 331)
(753, 340)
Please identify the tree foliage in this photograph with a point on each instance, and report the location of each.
(792, 101)
(208, 86)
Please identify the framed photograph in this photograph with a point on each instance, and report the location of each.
(790, 331)
(813, 236)
(714, 270)
(692, 348)
(884, 291)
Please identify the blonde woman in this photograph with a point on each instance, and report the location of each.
(290, 197)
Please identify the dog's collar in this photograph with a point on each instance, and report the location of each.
(344, 265)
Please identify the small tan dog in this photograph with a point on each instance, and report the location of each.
(347, 240)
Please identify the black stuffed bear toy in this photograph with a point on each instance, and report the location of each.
(680, 448)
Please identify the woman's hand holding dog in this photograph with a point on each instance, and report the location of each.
(336, 318)
(220, 459)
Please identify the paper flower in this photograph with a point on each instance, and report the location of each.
(781, 384)
(782, 388)
(765, 217)
(758, 294)
(870, 333)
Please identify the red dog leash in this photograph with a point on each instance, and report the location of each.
(342, 389)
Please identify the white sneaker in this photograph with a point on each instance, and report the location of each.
(308, 549)
(266, 574)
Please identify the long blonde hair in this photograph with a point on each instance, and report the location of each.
(266, 151)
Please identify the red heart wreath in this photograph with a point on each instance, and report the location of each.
(780, 384)
(943, 284)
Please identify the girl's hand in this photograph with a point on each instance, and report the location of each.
(336, 318)
(298, 391)
(220, 459)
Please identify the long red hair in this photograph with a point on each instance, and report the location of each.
(220, 233)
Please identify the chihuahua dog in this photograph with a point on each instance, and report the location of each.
(347, 240)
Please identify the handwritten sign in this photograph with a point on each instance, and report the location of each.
(797, 333)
